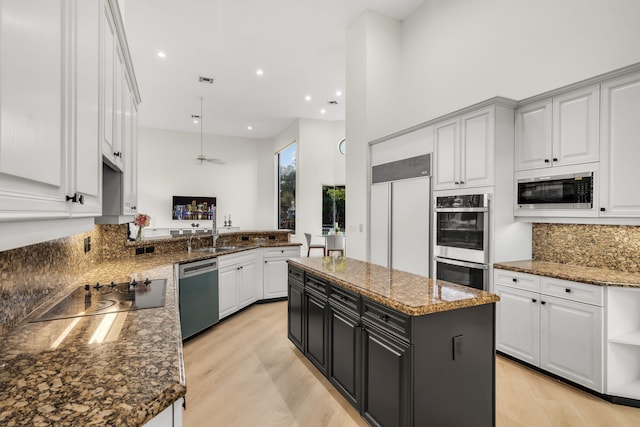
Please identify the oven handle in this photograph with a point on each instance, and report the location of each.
(446, 210)
(462, 263)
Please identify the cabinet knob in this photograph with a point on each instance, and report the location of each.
(384, 317)
(81, 199)
(543, 302)
(456, 182)
(514, 280)
(555, 159)
(461, 182)
(546, 160)
(603, 209)
(567, 290)
(534, 300)
(75, 198)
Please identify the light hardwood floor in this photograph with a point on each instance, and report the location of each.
(245, 372)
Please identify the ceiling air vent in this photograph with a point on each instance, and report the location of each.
(206, 80)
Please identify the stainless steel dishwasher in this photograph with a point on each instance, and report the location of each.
(198, 296)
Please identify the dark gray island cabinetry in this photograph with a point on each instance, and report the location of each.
(402, 349)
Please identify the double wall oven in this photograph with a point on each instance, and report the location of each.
(461, 253)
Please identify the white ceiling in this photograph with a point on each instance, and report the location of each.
(300, 45)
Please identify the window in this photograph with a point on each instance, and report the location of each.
(333, 200)
(287, 188)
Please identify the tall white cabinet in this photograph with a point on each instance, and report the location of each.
(620, 147)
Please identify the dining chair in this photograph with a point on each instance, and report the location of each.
(314, 246)
(335, 243)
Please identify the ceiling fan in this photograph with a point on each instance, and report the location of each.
(201, 156)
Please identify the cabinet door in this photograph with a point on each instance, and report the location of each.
(386, 380)
(344, 354)
(87, 158)
(447, 155)
(275, 278)
(109, 41)
(128, 207)
(33, 116)
(571, 341)
(316, 330)
(227, 290)
(477, 148)
(620, 150)
(246, 284)
(295, 317)
(518, 323)
(534, 136)
(575, 127)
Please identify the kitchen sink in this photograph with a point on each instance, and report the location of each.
(218, 249)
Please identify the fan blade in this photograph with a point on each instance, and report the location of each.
(216, 161)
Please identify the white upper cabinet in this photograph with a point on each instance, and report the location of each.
(109, 74)
(620, 147)
(87, 178)
(464, 150)
(33, 117)
(558, 132)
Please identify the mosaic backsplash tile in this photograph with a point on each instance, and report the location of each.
(615, 247)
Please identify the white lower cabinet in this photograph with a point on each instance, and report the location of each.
(236, 281)
(623, 342)
(562, 335)
(571, 340)
(170, 417)
(275, 270)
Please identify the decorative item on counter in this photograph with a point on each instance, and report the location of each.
(142, 220)
(229, 220)
(225, 221)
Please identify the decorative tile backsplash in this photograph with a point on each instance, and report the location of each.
(616, 247)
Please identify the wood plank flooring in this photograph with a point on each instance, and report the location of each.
(245, 372)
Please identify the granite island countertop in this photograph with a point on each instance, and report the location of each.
(575, 273)
(408, 293)
(52, 374)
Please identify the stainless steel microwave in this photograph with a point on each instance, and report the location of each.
(569, 191)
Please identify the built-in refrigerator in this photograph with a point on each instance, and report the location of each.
(400, 215)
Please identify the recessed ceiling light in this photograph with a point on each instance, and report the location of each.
(338, 93)
(161, 54)
(260, 72)
(307, 98)
(249, 127)
(323, 111)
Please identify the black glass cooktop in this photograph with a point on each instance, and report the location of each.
(97, 299)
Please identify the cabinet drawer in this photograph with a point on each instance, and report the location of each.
(296, 275)
(574, 291)
(386, 319)
(239, 258)
(515, 279)
(316, 284)
(282, 251)
(345, 299)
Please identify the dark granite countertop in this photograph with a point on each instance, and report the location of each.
(575, 273)
(408, 293)
(52, 374)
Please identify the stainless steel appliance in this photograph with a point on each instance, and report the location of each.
(462, 239)
(89, 300)
(568, 191)
(198, 296)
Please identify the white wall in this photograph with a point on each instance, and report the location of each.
(454, 53)
(167, 167)
(459, 52)
(372, 110)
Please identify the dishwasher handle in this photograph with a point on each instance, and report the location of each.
(197, 268)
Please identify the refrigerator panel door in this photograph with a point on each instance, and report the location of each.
(410, 209)
(379, 239)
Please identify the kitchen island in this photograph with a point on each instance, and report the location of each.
(404, 350)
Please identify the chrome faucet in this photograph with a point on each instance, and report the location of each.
(189, 242)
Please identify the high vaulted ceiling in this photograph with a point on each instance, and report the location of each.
(298, 44)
